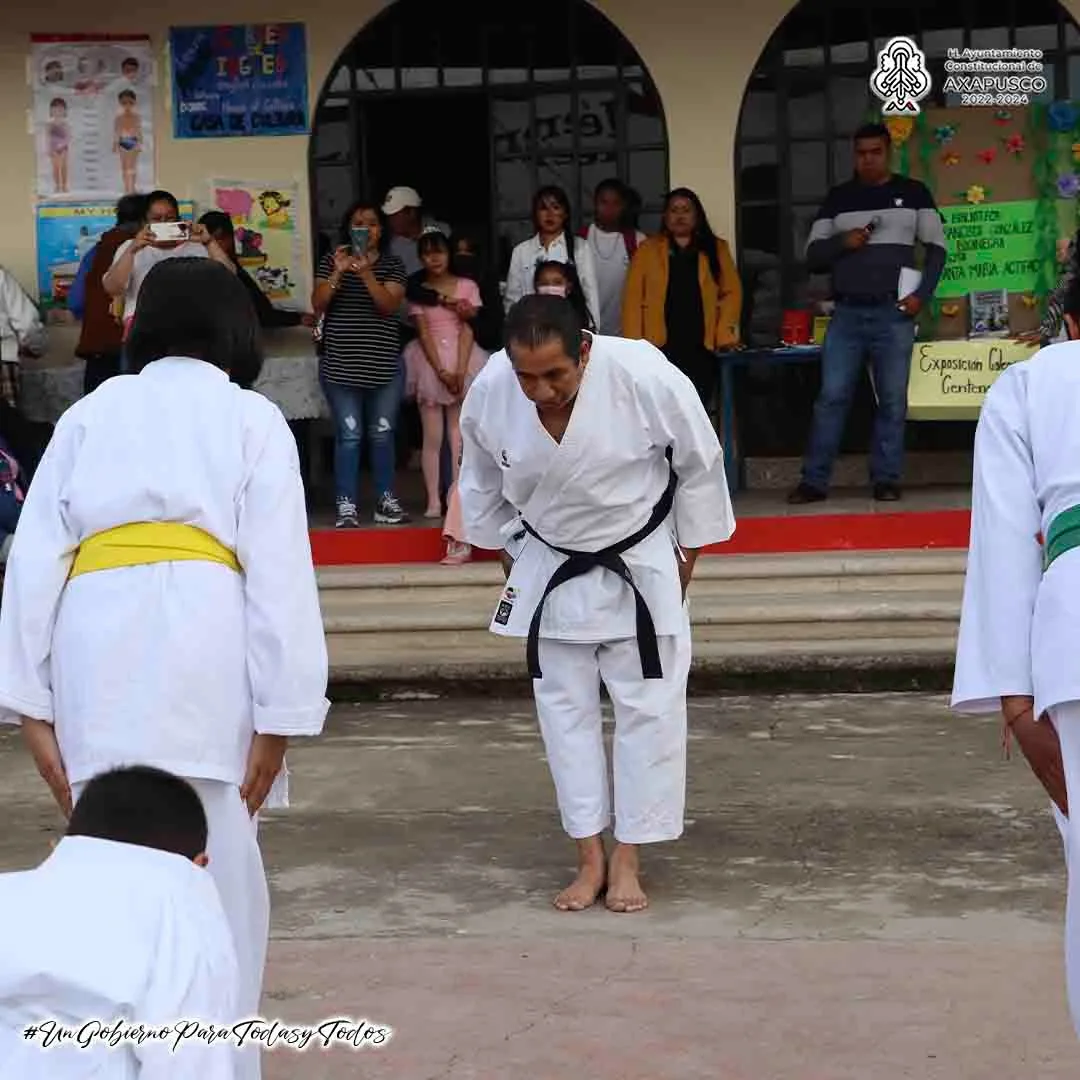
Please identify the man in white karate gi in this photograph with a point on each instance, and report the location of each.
(1017, 651)
(120, 923)
(590, 462)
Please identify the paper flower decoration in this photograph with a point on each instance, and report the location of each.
(976, 193)
(1061, 116)
(987, 156)
(944, 134)
(900, 128)
(1068, 186)
(1076, 151)
(1029, 300)
(1014, 144)
(1002, 116)
(950, 310)
(950, 158)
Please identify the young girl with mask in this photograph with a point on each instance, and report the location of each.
(561, 279)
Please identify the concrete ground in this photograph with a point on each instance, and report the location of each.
(864, 890)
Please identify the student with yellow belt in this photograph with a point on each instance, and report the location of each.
(160, 604)
(1017, 651)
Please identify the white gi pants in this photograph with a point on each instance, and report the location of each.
(237, 869)
(1066, 719)
(649, 747)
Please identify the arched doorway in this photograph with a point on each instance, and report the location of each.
(478, 110)
(808, 93)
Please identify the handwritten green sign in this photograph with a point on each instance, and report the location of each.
(991, 246)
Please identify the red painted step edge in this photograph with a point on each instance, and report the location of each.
(754, 536)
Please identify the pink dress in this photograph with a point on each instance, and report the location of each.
(421, 382)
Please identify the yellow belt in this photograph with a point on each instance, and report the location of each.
(145, 542)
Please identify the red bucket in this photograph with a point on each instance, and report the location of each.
(795, 328)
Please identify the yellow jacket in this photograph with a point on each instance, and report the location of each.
(645, 294)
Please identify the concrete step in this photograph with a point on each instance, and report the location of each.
(748, 612)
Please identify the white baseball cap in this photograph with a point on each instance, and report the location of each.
(400, 198)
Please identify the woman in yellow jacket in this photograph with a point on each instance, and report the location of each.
(683, 292)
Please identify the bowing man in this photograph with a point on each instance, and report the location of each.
(1016, 654)
(591, 463)
(119, 924)
(160, 603)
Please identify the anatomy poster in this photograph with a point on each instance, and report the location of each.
(267, 239)
(93, 115)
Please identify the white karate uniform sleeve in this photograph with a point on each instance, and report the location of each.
(586, 271)
(484, 509)
(36, 573)
(1004, 566)
(287, 659)
(702, 512)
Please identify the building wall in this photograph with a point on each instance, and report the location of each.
(699, 55)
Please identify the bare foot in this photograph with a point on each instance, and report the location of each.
(591, 877)
(625, 894)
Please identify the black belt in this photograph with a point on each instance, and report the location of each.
(610, 558)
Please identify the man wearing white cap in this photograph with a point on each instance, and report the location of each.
(402, 207)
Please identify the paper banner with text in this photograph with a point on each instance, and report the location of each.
(65, 233)
(991, 246)
(949, 379)
(268, 242)
(93, 115)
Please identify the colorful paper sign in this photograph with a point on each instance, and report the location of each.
(949, 379)
(65, 233)
(239, 80)
(93, 115)
(268, 242)
(990, 246)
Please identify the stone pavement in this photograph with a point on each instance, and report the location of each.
(864, 891)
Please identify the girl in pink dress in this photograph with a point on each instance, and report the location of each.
(441, 364)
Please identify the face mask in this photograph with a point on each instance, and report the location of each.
(552, 290)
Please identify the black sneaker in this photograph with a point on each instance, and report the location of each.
(388, 511)
(804, 494)
(887, 492)
(347, 517)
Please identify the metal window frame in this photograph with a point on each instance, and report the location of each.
(626, 60)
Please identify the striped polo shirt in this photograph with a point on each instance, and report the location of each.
(904, 213)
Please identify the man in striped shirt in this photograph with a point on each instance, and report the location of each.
(864, 235)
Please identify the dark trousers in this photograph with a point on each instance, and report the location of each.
(699, 366)
(99, 367)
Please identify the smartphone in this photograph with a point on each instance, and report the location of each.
(359, 238)
(169, 231)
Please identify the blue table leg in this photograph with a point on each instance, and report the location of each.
(727, 423)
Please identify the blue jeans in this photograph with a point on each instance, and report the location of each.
(357, 410)
(887, 335)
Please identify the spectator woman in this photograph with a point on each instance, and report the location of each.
(613, 237)
(358, 293)
(683, 292)
(554, 241)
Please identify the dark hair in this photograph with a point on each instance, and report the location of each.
(162, 196)
(143, 806)
(131, 210)
(614, 185)
(196, 308)
(537, 319)
(376, 209)
(126, 95)
(57, 101)
(872, 131)
(576, 293)
(129, 62)
(217, 221)
(433, 241)
(704, 239)
(551, 191)
(1071, 300)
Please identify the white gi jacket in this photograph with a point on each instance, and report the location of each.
(1018, 628)
(527, 255)
(592, 490)
(174, 665)
(108, 931)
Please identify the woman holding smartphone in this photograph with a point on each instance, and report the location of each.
(163, 236)
(359, 290)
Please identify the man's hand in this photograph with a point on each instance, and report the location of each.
(265, 759)
(855, 239)
(910, 305)
(1039, 744)
(40, 739)
(686, 568)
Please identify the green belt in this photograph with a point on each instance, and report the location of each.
(1063, 535)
